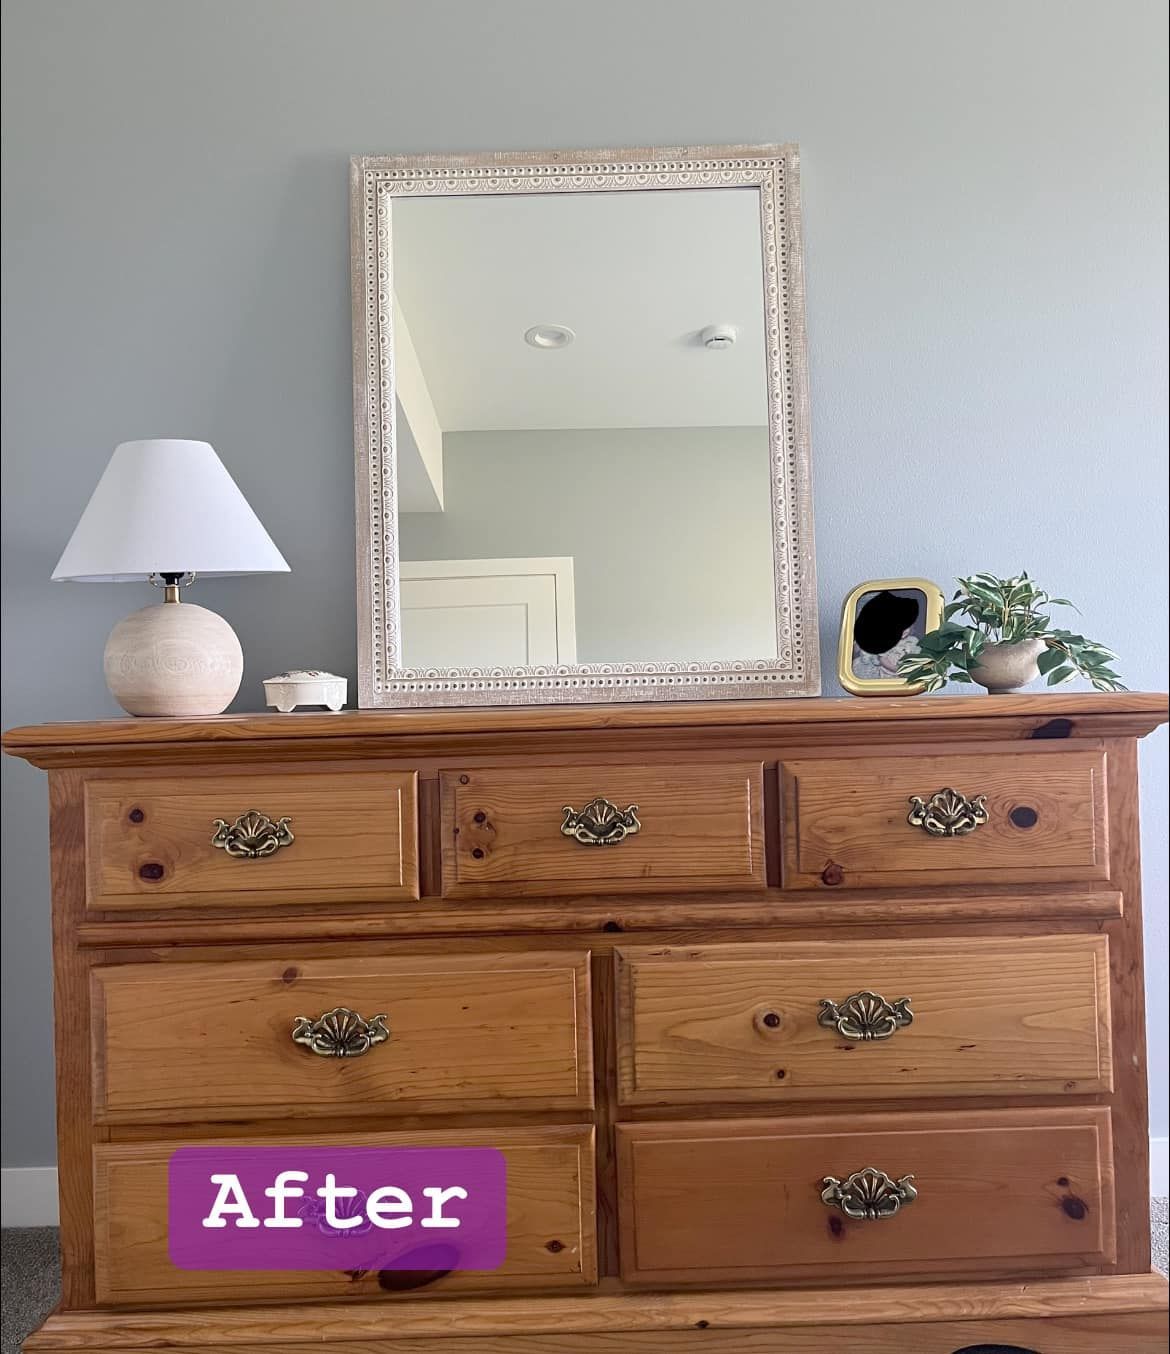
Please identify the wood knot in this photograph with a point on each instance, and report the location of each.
(152, 871)
(1074, 1208)
(554, 1246)
(1023, 815)
(1053, 728)
(613, 926)
(290, 975)
(833, 874)
(136, 816)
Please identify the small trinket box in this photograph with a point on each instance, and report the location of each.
(305, 686)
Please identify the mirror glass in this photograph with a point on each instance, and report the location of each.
(581, 416)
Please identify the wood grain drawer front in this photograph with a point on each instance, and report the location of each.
(215, 1041)
(149, 840)
(1032, 816)
(507, 832)
(551, 1224)
(742, 1200)
(961, 1016)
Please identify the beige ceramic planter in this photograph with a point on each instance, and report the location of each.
(1004, 668)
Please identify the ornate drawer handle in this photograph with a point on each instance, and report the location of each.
(252, 835)
(947, 813)
(340, 1033)
(865, 1015)
(868, 1194)
(600, 823)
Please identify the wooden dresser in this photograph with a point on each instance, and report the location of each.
(802, 1025)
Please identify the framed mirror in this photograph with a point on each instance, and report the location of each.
(581, 427)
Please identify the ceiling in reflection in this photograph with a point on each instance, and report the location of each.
(636, 276)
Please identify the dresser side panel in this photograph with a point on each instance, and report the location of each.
(72, 1038)
(1131, 1142)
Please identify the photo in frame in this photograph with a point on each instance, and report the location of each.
(881, 621)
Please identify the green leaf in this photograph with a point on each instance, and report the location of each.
(948, 636)
(985, 594)
(961, 677)
(1049, 659)
(1060, 675)
(909, 665)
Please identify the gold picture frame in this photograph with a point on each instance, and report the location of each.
(929, 617)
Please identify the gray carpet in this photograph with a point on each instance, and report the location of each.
(30, 1280)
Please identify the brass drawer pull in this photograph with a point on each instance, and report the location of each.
(340, 1033)
(253, 835)
(600, 823)
(868, 1194)
(947, 813)
(865, 1015)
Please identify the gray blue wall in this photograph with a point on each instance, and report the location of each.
(984, 202)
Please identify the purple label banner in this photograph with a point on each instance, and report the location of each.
(381, 1208)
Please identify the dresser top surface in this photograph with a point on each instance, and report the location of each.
(1054, 715)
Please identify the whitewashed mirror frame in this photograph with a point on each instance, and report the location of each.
(375, 182)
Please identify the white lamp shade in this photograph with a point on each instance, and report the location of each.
(166, 506)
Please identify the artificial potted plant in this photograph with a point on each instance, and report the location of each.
(1008, 640)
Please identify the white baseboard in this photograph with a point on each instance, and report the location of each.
(1159, 1168)
(30, 1193)
(28, 1196)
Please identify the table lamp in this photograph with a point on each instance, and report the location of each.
(165, 511)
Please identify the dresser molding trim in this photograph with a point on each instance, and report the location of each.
(1116, 714)
(775, 910)
(391, 1324)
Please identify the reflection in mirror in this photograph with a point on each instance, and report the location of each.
(583, 455)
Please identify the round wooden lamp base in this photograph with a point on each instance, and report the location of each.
(174, 659)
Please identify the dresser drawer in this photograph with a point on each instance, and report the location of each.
(608, 828)
(970, 1016)
(251, 839)
(550, 1221)
(1021, 1191)
(458, 1032)
(1001, 817)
